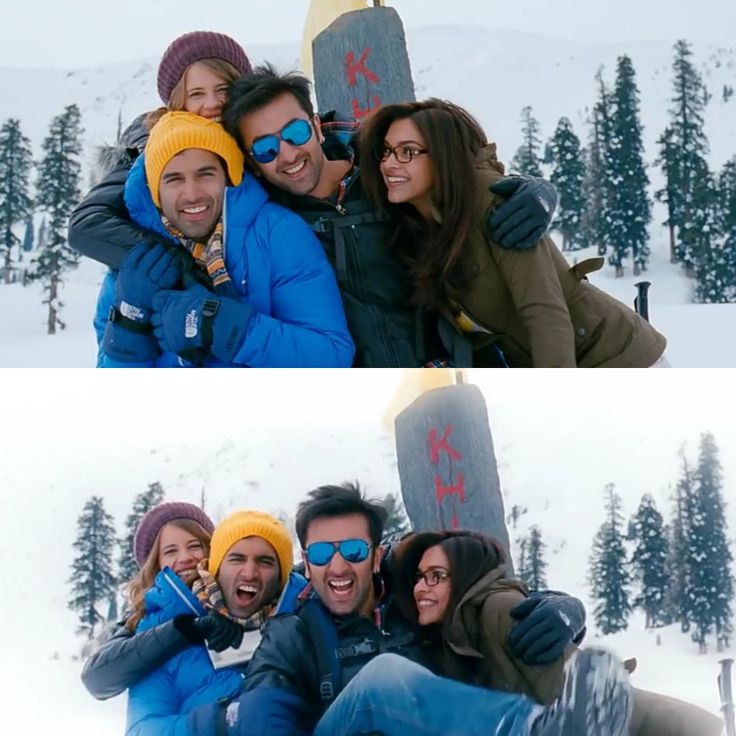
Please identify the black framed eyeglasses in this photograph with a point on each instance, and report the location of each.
(403, 154)
(432, 577)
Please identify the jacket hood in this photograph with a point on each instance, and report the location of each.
(465, 621)
(131, 143)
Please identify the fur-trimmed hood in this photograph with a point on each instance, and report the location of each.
(131, 143)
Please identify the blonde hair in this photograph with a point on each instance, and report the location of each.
(177, 100)
(143, 581)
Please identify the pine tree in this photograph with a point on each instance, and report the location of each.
(92, 579)
(144, 501)
(629, 209)
(649, 561)
(28, 236)
(15, 201)
(669, 194)
(711, 585)
(598, 189)
(535, 566)
(715, 269)
(684, 160)
(396, 523)
(727, 196)
(527, 159)
(568, 175)
(609, 576)
(58, 193)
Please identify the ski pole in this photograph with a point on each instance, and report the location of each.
(726, 691)
(641, 302)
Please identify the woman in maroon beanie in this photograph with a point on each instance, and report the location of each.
(175, 535)
(194, 75)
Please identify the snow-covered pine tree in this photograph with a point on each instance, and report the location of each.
(58, 193)
(629, 210)
(598, 188)
(144, 501)
(688, 151)
(727, 196)
(568, 175)
(396, 523)
(715, 268)
(649, 561)
(535, 565)
(668, 162)
(92, 577)
(528, 158)
(711, 588)
(15, 200)
(609, 576)
(28, 236)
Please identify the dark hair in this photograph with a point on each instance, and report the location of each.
(259, 88)
(453, 138)
(327, 502)
(470, 556)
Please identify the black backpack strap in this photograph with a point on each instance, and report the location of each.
(323, 634)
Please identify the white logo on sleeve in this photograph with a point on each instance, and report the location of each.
(190, 324)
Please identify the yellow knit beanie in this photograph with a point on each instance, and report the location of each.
(243, 524)
(178, 131)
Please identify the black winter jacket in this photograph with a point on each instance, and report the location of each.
(126, 658)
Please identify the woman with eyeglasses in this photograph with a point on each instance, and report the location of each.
(456, 588)
(429, 165)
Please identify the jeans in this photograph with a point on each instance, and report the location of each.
(393, 696)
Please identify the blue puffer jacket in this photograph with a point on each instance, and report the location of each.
(276, 264)
(161, 703)
(181, 697)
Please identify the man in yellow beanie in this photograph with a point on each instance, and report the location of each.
(251, 556)
(260, 292)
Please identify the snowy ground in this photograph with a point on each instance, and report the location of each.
(697, 333)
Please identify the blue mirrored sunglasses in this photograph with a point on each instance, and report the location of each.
(295, 133)
(352, 550)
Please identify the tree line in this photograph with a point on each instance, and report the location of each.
(604, 187)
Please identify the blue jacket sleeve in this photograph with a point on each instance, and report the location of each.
(154, 707)
(307, 328)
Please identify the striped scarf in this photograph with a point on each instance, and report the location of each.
(209, 594)
(209, 256)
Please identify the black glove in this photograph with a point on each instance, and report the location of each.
(548, 623)
(522, 220)
(218, 631)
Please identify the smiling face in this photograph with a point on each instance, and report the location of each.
(205, 92)
(432, 600)
(249, 576)
(344, 587)
(181, 551)
(296, 169)
(191, 191)
(409, 182)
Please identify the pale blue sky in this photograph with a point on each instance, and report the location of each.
(79, 33)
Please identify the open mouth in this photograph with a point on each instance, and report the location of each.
(425, 603)
(195, 213)
(296, 169)
(187, 574)
(246, 594)
(341, 588)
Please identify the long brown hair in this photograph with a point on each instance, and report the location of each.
(177, 100)
(470, 556)
(142, 582)
(453, 138)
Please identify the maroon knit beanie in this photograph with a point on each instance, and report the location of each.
(196, 46)
(156, 518)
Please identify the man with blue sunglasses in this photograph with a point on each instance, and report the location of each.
(348, 662)
(309, 164)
